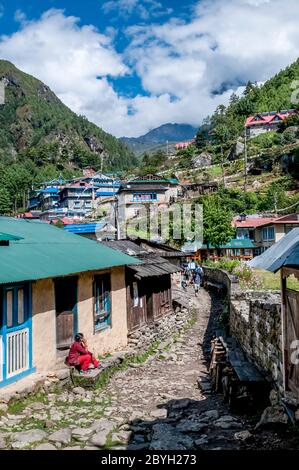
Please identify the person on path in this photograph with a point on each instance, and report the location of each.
(196, 282)
(79, 356)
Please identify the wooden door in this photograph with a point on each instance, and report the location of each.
(66, 310)
(291, 340)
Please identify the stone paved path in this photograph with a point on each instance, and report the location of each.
(155, 405)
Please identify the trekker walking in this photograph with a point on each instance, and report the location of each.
(196, 282)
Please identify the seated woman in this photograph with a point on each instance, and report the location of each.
(79, 356)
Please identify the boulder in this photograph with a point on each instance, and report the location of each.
(78, 391)
(22, 439)
(203, 159)
(3, 407)
(243, 436)
(273, 416)
(63, 436)
(45, 447)
(81, 434)
(187, 426)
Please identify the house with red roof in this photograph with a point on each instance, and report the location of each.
(265, 122)
(264, 231)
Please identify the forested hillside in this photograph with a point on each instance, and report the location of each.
(41, 138)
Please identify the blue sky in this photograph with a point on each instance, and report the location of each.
(132, 65)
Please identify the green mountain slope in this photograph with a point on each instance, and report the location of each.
(274, 95)
(35, 124)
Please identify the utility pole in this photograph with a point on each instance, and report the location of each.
(222, 166)
(245, 159)
(167, 148)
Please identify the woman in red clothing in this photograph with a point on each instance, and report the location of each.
(79, 356)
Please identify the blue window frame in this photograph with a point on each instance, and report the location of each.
(268, 233)
(145, 197)
(102, 302)
(15, 332)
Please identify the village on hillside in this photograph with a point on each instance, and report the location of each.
(69, 264)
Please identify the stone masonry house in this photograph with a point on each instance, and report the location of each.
(54, 284)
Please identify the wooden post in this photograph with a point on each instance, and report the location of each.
(283, 328)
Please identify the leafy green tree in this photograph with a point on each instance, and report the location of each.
(218, 229)
(5, 202)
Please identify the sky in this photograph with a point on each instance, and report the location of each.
(132, 65)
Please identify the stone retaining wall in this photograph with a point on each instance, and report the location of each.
(255, 321)
(159, 330)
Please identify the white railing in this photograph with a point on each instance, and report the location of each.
(17, 352)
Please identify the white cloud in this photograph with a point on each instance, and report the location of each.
(145, 9)
(186, 68)
(222, 47)
(73, 60)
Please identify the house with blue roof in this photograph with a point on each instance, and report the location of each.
(54, 284)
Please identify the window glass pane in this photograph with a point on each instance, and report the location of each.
(9, 308)
(102, 302)
(20, 306)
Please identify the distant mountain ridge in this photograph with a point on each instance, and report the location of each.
(159, 136)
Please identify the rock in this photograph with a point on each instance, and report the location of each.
(159, 413)
(227, 422)
(37, 406)
(122, 436)
(63, 374)
(45, 447)
(3, 407)
(99, 439)
(20, 440)
(211, 414)
(291, 400)
(237, 149)
(141, 446)
(78, 391)
(203, 440)
(4, 399)
(243, 435)
(204, 159)
(178, 405)
(74, 448)
(2, 443)
(166, 437)
(187, 426)
(63, 436)
(274, 398)
(81, 434)
(102, 425)
(273, 416)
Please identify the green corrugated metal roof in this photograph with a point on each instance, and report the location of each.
(46, 251)
(235, 243)
(6, 237)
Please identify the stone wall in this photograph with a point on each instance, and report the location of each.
(255, 321)
(160, 329)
